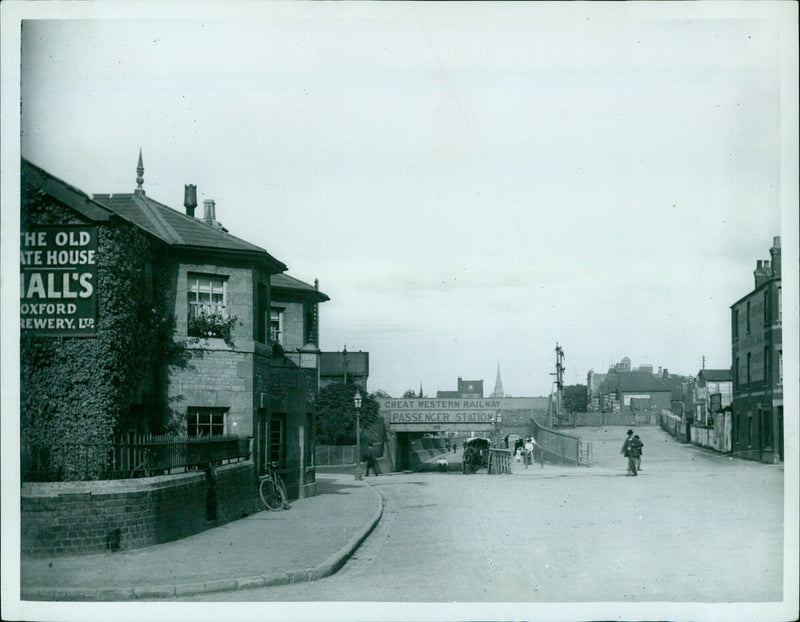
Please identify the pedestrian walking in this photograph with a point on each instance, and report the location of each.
(640, 449)
(371, 460)
(518, 454)
(634, 454)
(528, 452)
(625, 447)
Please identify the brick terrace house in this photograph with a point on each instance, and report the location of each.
(757, 351)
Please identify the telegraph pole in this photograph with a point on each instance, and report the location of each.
(559, 382)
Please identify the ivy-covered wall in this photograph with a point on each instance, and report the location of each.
(76, 392)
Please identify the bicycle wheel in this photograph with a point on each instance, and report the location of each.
(284, 494)
(270, 495)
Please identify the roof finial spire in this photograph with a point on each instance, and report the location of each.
(140, 173)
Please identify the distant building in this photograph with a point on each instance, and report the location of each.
(711, 400)
(757, 354)
(714, 392)
(466, 389)
(623, 365)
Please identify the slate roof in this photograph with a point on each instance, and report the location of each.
(176, 228)
(716, 375)
(447, 394)
(289, 283)
(642, 381)
(64, 193)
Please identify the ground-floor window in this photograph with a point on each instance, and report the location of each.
(205, 421)
(277, 439)
(766, 426)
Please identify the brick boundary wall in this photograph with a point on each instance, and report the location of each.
(68, 518)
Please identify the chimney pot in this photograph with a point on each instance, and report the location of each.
(209, 214)
(190, 199)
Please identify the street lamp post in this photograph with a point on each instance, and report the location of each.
(357, 401)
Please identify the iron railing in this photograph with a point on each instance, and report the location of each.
(558, 446)
(128, 456)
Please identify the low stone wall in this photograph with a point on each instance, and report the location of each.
(67, 518)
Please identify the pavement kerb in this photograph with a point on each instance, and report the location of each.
(328, 567)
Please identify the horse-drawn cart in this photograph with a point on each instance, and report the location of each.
(476, 455)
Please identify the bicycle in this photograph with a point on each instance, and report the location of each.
(272, 490)
(143, 467)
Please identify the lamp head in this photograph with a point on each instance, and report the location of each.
(357, 399)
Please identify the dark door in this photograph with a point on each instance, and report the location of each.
(403, 451)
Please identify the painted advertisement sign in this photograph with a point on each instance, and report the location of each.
(58, 278)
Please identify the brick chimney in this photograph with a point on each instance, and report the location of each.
(760, 274)
(209, 214)
(190, 199)
(775, 253)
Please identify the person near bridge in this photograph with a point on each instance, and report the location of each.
(371, 460)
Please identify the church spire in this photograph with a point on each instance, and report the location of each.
(139, 174)
(498, 385)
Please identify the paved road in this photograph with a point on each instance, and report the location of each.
(693, 526)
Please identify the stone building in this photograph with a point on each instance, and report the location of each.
(223, 293)
(757, 354)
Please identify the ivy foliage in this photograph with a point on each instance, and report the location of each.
(335, 413)
(77, 392)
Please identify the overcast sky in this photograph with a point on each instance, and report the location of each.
(470, 183)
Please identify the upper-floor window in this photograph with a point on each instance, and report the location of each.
(276, 325)
(780, 366)
(780, 315)
(748, 369)
(748, 317)
(207, 304)
(766, 307)
(735, 323)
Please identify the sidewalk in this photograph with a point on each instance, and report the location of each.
(310, 541)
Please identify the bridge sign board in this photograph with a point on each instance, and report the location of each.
(419, 414)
